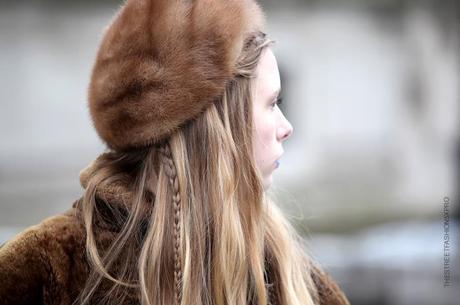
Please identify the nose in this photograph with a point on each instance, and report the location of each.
(285, 129)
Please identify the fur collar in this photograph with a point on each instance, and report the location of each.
(120, 193)
(117, 193)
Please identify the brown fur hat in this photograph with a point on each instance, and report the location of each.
(162, 62)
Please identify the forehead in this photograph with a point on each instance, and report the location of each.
(267, 80)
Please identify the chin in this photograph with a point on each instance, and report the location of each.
(267, 182)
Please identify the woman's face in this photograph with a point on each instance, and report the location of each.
(271, 128)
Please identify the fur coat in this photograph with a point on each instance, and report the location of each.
(46, 264)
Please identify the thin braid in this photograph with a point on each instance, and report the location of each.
(171, 172)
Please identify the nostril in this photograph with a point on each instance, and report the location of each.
(288, 132)
(285, 131)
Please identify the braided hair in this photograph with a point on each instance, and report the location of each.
(171, 172)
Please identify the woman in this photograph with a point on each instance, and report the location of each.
(184, 95)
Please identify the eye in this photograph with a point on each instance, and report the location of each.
(278, 101)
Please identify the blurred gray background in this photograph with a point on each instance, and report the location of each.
(372, 89)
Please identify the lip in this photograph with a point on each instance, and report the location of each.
(277, 160)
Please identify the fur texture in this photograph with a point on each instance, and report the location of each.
(161, 62)
(46, 264)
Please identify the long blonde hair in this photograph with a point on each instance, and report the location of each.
(201, 229)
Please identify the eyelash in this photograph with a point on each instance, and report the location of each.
(278, 101)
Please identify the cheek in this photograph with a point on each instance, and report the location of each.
(264, 136)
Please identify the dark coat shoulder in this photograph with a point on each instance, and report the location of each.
(44, 264)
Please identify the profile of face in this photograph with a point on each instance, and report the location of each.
(271, 128)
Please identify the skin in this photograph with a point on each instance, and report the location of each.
(271, 128)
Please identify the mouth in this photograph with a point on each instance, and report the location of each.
(277, 161)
